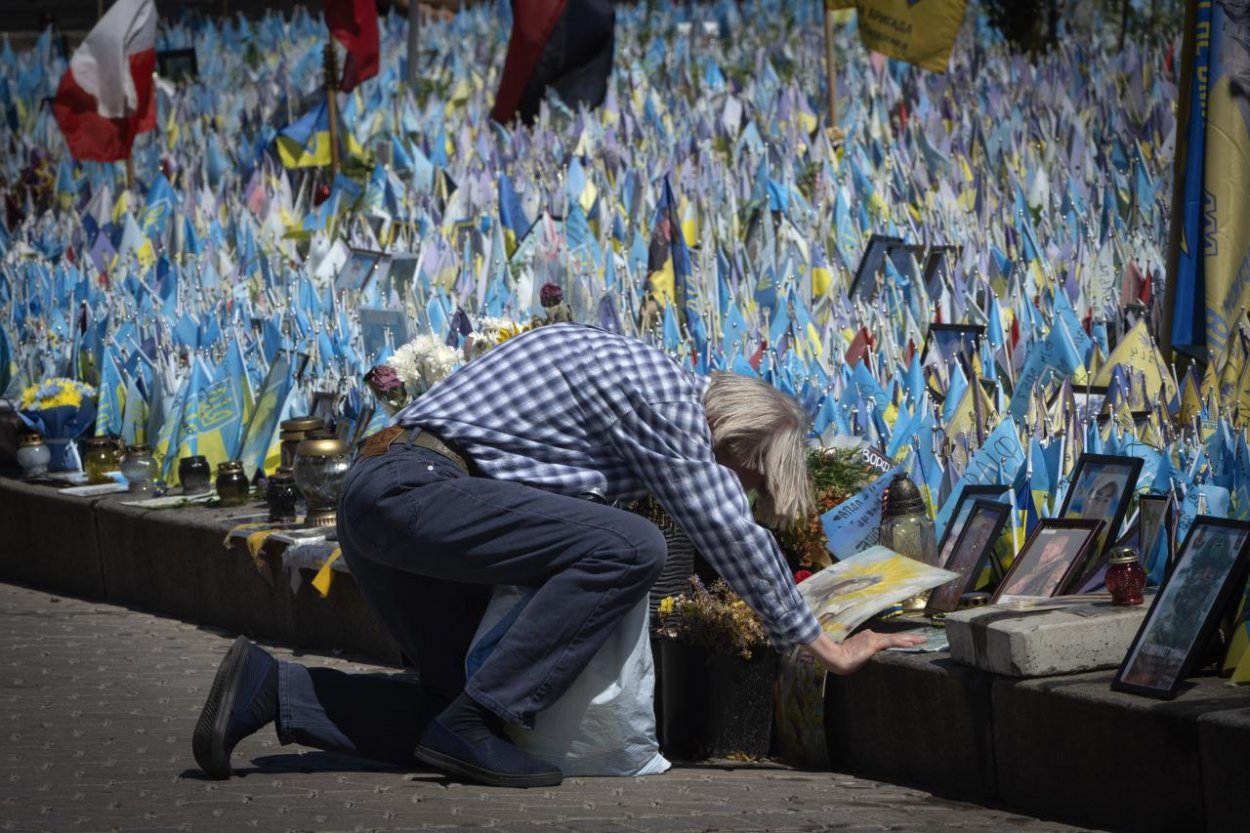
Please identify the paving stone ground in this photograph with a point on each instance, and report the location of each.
(97, 704)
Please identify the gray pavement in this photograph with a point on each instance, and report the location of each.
(97, 704)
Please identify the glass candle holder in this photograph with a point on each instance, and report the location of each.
(33, 455)
(321, 465)
(232, 484)
(906, 529)
(293, 432)
(1126, 580)
(195, 475)
(281, 496)
(99, 459)
(139, 469)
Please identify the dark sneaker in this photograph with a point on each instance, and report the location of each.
(490, 760)
(242, 700)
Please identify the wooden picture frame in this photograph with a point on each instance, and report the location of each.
(1102, 488)
(358, 270)
(975, 546)
(1210, 571)
(876, 250)
(1040, 569)
(177, 64)
(952, 341)
(1154, 521)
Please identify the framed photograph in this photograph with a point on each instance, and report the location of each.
(376, 323)
(974, 548)
(1210, 571)
(1051, 558)
(1154, 515)
(1089, 401)
(864, 282)
(1101, 488)
(959, 517)
(403, 273)
(357, 271)
(177, 64)
(937, 267)
(952, 341)
(325, 406)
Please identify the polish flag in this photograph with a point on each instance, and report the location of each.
(106, 97)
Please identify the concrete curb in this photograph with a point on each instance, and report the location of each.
(1064, 747)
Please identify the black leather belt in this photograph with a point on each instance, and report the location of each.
(424, 439)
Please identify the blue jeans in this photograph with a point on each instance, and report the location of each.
(426, 544)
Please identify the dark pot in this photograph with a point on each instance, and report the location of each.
(711, 705)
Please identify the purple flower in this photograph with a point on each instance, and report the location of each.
(383, 380)
(550, 295)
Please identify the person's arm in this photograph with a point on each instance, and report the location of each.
(668, 446)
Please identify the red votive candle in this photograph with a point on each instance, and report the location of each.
(1125, 577)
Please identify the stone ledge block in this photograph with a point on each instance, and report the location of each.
(174, 562)
(1044, 643)
(1224, 746)
(1072, 748)
(914, 718)
(50, 540)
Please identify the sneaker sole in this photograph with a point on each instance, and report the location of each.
(446, 763)
(208, 740)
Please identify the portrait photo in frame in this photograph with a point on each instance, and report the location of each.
(1101, 489)
(985, 522)
(959, 516)
(357, 271)
(1050, 559)
(1210, 574)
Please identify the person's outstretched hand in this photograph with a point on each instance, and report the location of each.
(854, 653)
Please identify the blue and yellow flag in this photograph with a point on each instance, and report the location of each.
(1211, 286)
(305, 143)
(668, 261)
(918, 31)
(260, 441)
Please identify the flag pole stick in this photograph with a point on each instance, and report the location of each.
(130, 172)
(332, 104)
(831, 68)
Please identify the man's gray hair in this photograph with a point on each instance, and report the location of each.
(764, 430)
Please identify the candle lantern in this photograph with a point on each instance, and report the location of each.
(1126, 580)
(33, 455)
(139, 469)
(232, 485)
(907, 529)
(321, 464)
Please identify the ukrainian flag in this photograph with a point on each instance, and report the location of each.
(668, 260)
(305, 143)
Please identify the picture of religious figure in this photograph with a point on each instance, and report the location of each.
(1210, 572)
(1049, 558)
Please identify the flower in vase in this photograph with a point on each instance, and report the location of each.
(61, 410)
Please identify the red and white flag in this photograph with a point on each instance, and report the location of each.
(106, 97)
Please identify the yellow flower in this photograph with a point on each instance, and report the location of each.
(666, 606)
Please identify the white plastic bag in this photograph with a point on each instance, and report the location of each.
(605, 723)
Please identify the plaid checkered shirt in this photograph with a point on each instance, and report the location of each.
(573, 409)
